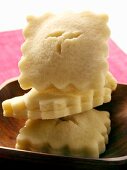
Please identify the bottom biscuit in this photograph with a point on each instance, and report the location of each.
(84, 134)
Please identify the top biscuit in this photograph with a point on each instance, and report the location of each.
(65, 49)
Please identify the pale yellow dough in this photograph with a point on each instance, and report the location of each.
(84, 134)
(66, 49)
(53, 103)
(64, 64)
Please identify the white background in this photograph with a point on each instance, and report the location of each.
(13, 13)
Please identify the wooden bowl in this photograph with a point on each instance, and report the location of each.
(114, 157)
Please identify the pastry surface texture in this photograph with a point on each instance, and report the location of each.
(64, 68)
(84, 134)
(65, 49)
(53, 103)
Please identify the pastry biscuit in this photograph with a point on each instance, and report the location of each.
(84, 134)
(64, 49)
(53, 103)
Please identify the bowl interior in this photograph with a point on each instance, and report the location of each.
(117, 146)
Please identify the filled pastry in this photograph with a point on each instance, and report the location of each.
(84, 134)
(53, 103)
(64, 66)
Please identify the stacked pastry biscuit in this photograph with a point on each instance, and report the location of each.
(65, 66)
